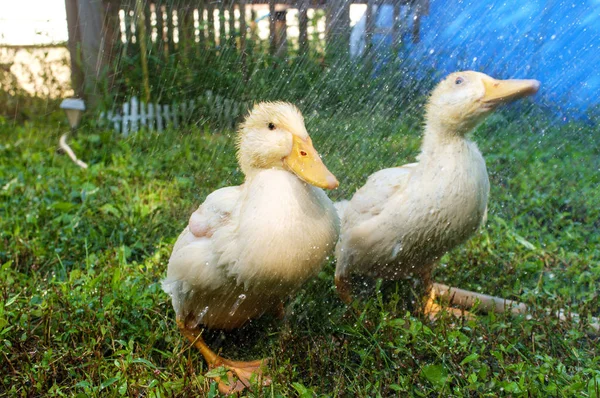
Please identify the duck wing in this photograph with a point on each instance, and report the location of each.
(359, 221)
(195, 261)
(372, 197)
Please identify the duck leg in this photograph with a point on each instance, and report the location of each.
(344, 289)
(243, 370)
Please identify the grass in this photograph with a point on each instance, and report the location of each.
(82, 254)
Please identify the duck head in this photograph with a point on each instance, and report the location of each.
(464, 99)
(273, 136)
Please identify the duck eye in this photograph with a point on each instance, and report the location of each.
(271, 126)
(303, 153)
(459, 80)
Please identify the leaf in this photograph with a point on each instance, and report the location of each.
(524, 242)
(12, 299)
(108, 382)
(436, 374)
(110, 209)
(594, 387)
(123, 388)
(303, 391)
(83, 384)
(145, 362)
(397, 322)
(62, 206)
(213, 390)
(469, 358)
(221, 372)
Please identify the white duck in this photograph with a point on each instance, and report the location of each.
(248, 247)
(405, 218)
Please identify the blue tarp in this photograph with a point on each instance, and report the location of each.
(556, 42)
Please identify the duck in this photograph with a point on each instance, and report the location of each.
(399, 224)
(249, 247)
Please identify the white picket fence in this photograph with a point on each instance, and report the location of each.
(136, 115)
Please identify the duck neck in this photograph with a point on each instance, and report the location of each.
(439, 141)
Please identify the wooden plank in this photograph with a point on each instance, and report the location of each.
(160, 26)
(150, 117)
(159, 117)
(303, 27)
(185, 20)
(201, 25)
(222, 32)
(134, 116)
(421, 7)
(170, 43)
(272, 32)
(210, 18)
(280, 33)
(416, 28)
(140, 16)
(126, 120)
(243, 33)
(143, 116)
(175, 115)
(396, 28)
(167, 116)
(337, 27)
(231, 19)
(253, 28)
(369, 28)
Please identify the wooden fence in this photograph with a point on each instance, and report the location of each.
(99, 29)
(204, 23)
(136, 115)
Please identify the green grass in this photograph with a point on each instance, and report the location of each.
(82, 254)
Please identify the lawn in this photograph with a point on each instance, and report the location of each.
(82, 254)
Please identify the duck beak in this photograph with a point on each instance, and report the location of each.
(305, 162)
(503, 91)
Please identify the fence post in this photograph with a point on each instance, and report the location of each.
(222, 33)
(396, 37)
(143, 116)
(421, 7)
(140, 17)
(243, 32)
(201, 26)
(175, 115)
(160, 27)
(337, 30)
(210, 18)
(167, 116)
(150, 117)
(125, 129)
(281, 33)
(303, 27)
(369, 28)
(159, 118)
(272, 33)
(170, 45)
(134, 115)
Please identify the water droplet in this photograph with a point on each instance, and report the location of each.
(237, 304)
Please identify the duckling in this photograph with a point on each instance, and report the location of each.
(405, 218)
(249, 247)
